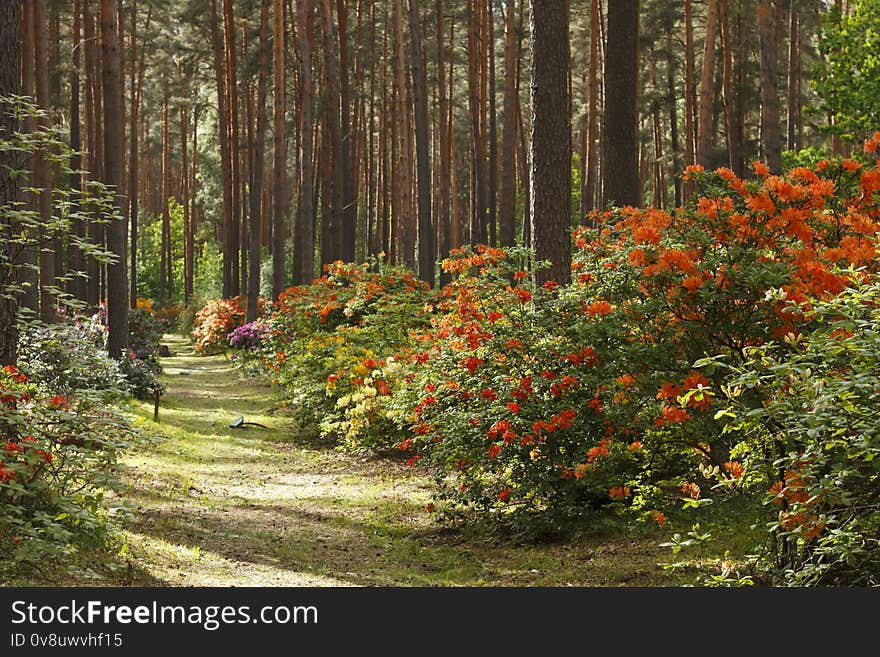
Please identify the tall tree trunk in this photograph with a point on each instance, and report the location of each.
(455, 219)
(233, 286)
(621, 158)
(690, 117)
(245, 163)
(705, 127)
(673, 118)
(423, 157)
(658, 180)
(164, 265)
(507, 217)
(224, 129)
(492, 162)
(444, 186)
(733, 145)
(794, 77)
(184, 198)
(589, 192)
(279, 164)
(136, 83)
(117, 285)
(550, 176)
(770, 138)
(189, 278)
(335, 156)
(347, 162)
(28, 259)
(42, 174)
(304, 241)
(75, 256)
(253, 291)
(133, 164)
(478, 138)
(10, 84)
(405, 233)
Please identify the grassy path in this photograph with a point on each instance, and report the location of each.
(215, 506)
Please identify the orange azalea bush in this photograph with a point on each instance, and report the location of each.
(535, 399)
(561, 402)
(217, 318)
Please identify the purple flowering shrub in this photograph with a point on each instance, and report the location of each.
(249, 337)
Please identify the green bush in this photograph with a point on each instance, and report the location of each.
(807, 412)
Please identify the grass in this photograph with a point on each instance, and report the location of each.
(210, 505)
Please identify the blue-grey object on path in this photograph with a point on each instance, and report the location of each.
(239, 422)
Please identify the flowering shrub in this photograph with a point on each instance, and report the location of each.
(324, 339)
(249, 336)
(58, 456)
(806, 411)
(71, 355)
(217, 319)
(563, 402)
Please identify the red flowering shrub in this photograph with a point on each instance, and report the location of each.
(57, 460)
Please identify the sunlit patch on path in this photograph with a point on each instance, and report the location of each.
(251, 506)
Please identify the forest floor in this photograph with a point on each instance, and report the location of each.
(212, 505)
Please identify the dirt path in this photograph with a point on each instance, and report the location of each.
(216, 506)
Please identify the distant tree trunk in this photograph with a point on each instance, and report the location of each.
(133, 163)
(621, 157)
(28, 259)
(10, 84)
(770, 137)
(525, 157)
(507, 216)
(304, 240)
(454, 218)
(332, 247)
(673, 118)
(589, 200)
(117, 285)
(657, 176)
(184, 199)
(253, 291)
(279, 165)
(727, 93)
(232, 287)
(334, 190)
(492, 125)
(550, 177)
(423, 145)
(189, 280)
(347, 163)
(444, 186)
(245, 163)
(75, 256)
(42, 174)
(405, 243)
(478, 137)
(690, 118)
(705, 128)
(794, 78)
(164, 265)
(740, 59)
(224, 130)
